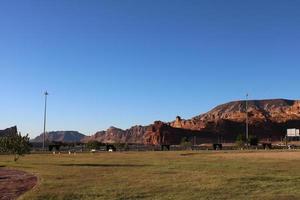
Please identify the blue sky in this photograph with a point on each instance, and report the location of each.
(127, 62)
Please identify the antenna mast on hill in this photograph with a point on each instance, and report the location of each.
(45, 117)
(247, 120)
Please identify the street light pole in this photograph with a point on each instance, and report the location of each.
(247, 120)
(45, 117)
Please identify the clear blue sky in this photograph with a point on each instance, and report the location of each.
(127, 62)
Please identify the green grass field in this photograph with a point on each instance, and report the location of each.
(163, 175)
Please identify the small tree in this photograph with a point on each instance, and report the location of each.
(240, 141)
(126, 147)
(253, 140)
(15, 144)
(185, 143)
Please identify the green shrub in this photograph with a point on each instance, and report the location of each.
(240, 141)
(93, 145)
(15, 144)
(186, 143)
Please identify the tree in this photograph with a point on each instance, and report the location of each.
(126, 147)
(240, 141)
(93, 145)
(185, 143)
(253, 140)
(16, 144)
(122, 146)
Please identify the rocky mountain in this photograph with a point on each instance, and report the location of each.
(60, 136)
(115, 135)
(5, 132)
(268, 120)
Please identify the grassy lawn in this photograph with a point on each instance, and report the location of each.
(163, 175)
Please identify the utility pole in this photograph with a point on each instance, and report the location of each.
(247, 121)
(45, 117)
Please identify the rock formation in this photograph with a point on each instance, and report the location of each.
(134, 135)
(60, 136)
(8, 131)
(268, 119)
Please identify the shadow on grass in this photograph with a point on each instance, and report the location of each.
(101, 165)
(189, 154)
(2, 166)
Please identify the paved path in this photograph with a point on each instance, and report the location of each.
(14, 183)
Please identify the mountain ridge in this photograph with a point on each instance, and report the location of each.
(59, 136)
(267, 118)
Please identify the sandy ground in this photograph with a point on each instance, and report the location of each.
(14, 183)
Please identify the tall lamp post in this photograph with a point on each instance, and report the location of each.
(247, 121)
(45, 118)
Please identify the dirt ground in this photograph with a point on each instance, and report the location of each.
(14, 183)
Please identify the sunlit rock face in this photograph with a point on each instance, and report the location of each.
(268, 119)
(133, 135)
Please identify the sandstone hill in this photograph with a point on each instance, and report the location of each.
(268, 120)
(134, 135)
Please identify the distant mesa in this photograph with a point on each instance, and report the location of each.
(6, 132)
(60, 136)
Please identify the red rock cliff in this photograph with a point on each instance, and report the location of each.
(267, 119)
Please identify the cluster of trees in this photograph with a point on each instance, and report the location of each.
(241, 141)
(16, 144)
(123, 146)
(94, 145)
(98, 145)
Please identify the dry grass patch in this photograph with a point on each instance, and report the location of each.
(164, 175)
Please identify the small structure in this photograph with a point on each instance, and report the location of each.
(93, 151)
(293, 132)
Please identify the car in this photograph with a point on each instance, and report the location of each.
(93, 150)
